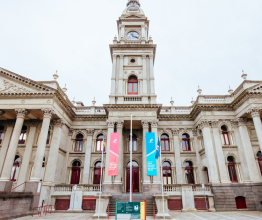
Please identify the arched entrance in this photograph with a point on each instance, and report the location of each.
(135, 177)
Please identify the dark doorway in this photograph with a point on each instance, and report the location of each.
(75, 177)
(241, 202)
(135, 177)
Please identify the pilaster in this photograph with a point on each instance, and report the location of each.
(255, 113)
(118, 179)
(146, 179)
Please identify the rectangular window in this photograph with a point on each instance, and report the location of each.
(130, 87)
(135, 87)
(134, 146)
(98, 146)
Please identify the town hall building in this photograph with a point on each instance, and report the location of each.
(212, 148)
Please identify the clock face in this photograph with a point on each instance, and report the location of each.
(132, 35)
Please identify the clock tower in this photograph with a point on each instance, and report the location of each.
(133, 56)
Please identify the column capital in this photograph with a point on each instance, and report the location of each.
(214, 123)
(33, 122)
(204, 124)
(70, 131)
(242, 121)
(114, 56)
(120, 123)
(144, 123)
(151, 56)
(48, 112)
(154, 123)
(234, 123)
(144, 56)
(21, 113)
(255, 112)
(175, 132)
(58, 122)
(111, 123)
(121, 56)
(194, 130)
(90, 132)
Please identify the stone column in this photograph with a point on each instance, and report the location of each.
(249, 154)
(88, 150)
(68, 147)
(113, 78)
(152, 78)
(210, 153)
(220, 155)
(144, 92)
(108, 180)
(35, 177)
(146, 179)
(156, 179)
(8, 132)
(27, 155)
(242, 157)
(177, 150)
(121, 75)
(255, 113)
(118, 179)
(199, 161)
(9, 160)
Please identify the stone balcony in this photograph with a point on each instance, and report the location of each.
(67, 189)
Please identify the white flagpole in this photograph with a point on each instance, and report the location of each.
(131, 164)
(162, 179)
(101, 176)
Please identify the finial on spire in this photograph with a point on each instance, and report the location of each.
(244, 75)
(55, 76)
(172, 102)
(192, 102)
(199, 90)
(230, 90)
(64, 89)
(132, 4)
(73, 101)
(94, 101)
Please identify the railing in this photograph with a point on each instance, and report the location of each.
(17, 186)
(132, 99)
(182, 109)
(39, 210)
(218, 99)
(45, 209)
(199, 188)
(108, 211)
(80, 187)
(102, 110)
(82, 110)
(172, 188)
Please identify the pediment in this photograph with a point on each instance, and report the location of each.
(256, 89)
(14, 83)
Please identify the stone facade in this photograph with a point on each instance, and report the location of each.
(51, 142)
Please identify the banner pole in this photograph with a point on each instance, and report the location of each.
(131, 164)
(101, 176)
(162, 180)
(116, 210)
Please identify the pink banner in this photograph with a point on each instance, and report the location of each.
(113, 155)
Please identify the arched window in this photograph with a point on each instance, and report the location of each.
(134, 143)
(167, 174)
(259, 158)
(97, 173)
(99, 142)
(15, 169)
(206, 171)
(48, 139)
(79, 143)
(189, 172)
(22, 137)
(186, 142)
(2, 130)
(225, 135)
(132, 86)
(165, 142)
(231, 169)
(75, 177)
(42, 170)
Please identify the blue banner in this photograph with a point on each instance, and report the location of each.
(150, 154)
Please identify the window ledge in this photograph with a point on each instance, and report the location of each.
(187, 152)
(97, 152)
(167, 152)
(229, 146)
(72, 152)
(202, 151)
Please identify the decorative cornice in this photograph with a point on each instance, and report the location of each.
(21, 113)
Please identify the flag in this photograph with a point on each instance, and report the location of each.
(104, 147)
(157, 149)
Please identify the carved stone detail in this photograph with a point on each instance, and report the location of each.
(47, 112)
(234, 123)
(144, 123)
(242, 121)
(255, 112)
(154, 123)
(175, 132)
(21, 113)
(58, 122)
(120, 123)
(70, 132)
(11, 87)
(111, 123)
(214, 123)
(194, 130)
(203, 124)
(2, 112)
(90, 132)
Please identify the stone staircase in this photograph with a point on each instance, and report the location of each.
(137, 197)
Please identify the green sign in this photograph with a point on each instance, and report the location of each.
(128, 210)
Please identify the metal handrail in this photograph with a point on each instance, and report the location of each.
(17, 186)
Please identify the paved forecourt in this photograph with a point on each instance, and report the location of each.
(238, 215)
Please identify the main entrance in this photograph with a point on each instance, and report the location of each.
(135, 177)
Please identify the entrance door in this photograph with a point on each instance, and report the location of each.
(135, 177)
(241, 202)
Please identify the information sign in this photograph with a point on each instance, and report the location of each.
(131, 210)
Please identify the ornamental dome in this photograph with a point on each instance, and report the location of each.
(133, 6)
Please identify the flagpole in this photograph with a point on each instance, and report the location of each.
(131, 164)
(162, 180)
(101, 176)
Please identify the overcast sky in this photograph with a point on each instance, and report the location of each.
(199, 42)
